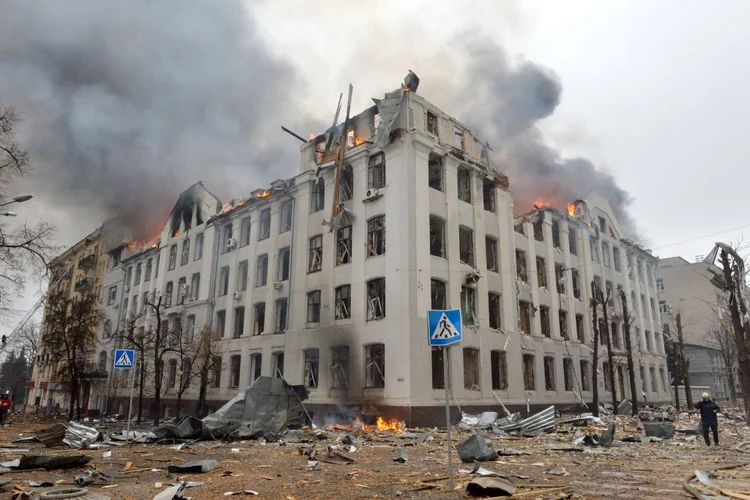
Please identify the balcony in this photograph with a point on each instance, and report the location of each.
(83, 284)
(87, 262)
(95, 371)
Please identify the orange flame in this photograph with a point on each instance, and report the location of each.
(153, 245)
(541, 203)
(136, 244)
(358, 141)
(381, 425)
(571, 210)
(263, 194)
(313, 136)
(390, 425)
(176, 233)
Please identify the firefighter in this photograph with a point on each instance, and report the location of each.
(708, 410)
(3, 413)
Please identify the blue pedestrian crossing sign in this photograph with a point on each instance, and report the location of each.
(444, 327)
(124, 358)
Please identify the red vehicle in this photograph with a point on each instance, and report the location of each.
(6, 401)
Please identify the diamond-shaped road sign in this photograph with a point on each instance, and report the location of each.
(124, 358)
(444, 327)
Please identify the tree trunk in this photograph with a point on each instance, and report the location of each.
(202, 394)
(141, 383)
(610, 359)
(629, 349)
(595, 355)
(676, 372)
(685, 364)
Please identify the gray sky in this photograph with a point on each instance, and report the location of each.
(652, 91)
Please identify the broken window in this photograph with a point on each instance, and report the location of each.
(471, 369)
(525, 317)
(499, 369)
(438, 295)
(458, 138)
(245, 232)
(576, 278)
(494, 310)
(312, 364)
(376, 236)
(605, 371)
(549, 373)
(602, 332)
(184, 258)
(239, 322)
(317, 195)
(529, 382)
(195, 285)
(376, 171)
(663, 378)
(519, 228)
(615, 331)
(541, 272)
(149, 267)
(437, 236)
(168, 292)
(539, 228)
(376, 299)
(235, 363)
(172, 260)
(490, 245)
(616, 258)
(585, 375)
(313, 307)
(343, 302)
(642, 372)
(468, 306)
(287, 216)
(572, 240)
(435, 172)
(438, 369)
(375, 366)
(594, 249)
(602, 225)
(228, 241)
(242, 276)
(488, 192)
(223, 281)
(544, 320)
(281, 315)
(605, 254)
(261, 271)
(315, 254)
(340, 367)
(265, 224)
(346, 187)
(344, 245)
(182, 291)
(278, 364)
(198, 252)
(432, 124)
(568, 374)
(653, 307)
(464, 184)
(172, 373)
(137, 279)
(466, 245)
(216, 375)
(190, 328)
(112, 295)
(556, 234)
(652, 374)
(560, 277)
(647, 334)
(563, 323)
(221, 320)
(260, 318)
(521, 266)
(107, 331)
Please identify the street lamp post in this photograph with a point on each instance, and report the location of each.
(17, 199)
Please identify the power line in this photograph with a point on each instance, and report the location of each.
(702, 237)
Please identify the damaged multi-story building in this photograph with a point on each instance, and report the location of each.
(325, 279)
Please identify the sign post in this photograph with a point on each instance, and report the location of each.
(445, 329)
(125, 359)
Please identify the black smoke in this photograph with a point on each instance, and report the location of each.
(126, 103)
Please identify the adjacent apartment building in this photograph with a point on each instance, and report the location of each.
(329, 285)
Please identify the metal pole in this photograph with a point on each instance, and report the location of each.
(446, 383)
(130, 406)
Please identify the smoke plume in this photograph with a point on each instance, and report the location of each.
(125, 104)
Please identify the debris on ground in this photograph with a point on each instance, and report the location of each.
(659, 430)
(493, 486)
(51, 462)
(192, 467)
(402, 456)
(476, 449)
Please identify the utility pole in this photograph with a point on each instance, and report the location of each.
(684, 362)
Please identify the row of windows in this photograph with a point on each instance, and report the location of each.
(185, 252)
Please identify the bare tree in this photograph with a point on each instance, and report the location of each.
(207, 356)
(595, 292)
(186, 347)
(685, 365)
(720, 334)
(136, 335)
(627, 321)
(27, 339)
(162, 343)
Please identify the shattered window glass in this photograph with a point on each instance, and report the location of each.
(313, 307)
(544, 321)
(375, 366)
(312, 360)
(239, 322)
(287, 216)
(468, 305)
(283, 271)
(437, 236)
(541, 272)
(261, 275)
(435, 172)
(563, 324)
(172, 258)
(235, 363)
(490, 245)
(376, 299)
(260, 318)
(488, 194)
(137, 274)
(265, 224)
(585, 375)
(242, 276)
(256, 363)
(317, 195)
(568, 374)
(524, 317)
(464, 184)
(315, 262)
(529, 382)
(432, 124)
(549, 373)
(281, 315)
(376, 236)
(499, 369)
(458, 138)
(343, 302)
(245, 232)
(572, 240)
(340, 367)
(466, 245)
(346, 187)
(439, 295)
(560, 277)
(376, 171)
(556, 234)
(185, 256)
(576, 283)
(344, 245)
(168, 292)
(216, 372)
(198, 252)
(149, 266)
(221, 320)
(494, 310)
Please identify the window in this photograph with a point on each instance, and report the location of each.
(376, 236)
(245, 232)
(464, 184)
(190, 328)
(172, 258)
(642, 372)
(340, 367)
(168, 292)
(660, 285)
(107, 332)
(343, 302)
(594, 249)
(261, 272)
(663, 307)
(287, 216)
(375, 366)
(524, 317)
(435, 172)
(539, 228)
(172, 373)
(563, 324)
(346, 188)
(466, 245)
(471, 368)
(529, 383)
(376, 299)
(185, 256)
(312, 364)
(579, 328)
(278, 365)
(242, 276)
(556, 234)
(438, 295)
(239, 322)
(344, 245)
(560, 277)
(568, 374)
(585, 375)
(281, 315)
(549, 373)
(260, 318)
(649, 346)
(541, 272)
(198, 252)
(182, 292)
(572, 241)
(137, 279)
(432, 124)
(490, 245)
(544, 320)
(438, 369)
(652, 303)
(488, 195)
(111, 295)
(235, 363)
(216, 378)
(223, 281)
(468, 306)
(437, 236)
(602, 225)
(282, 273)
(315, 262)
(493, 300)
(499, 369)
(227, 239)
(458, 138)
(614, 330)
(521, 273)
(221, 321)
(652, 375)
(616, 258)
(149, 267)
(643, 307)
(265, 224)
(576, 283)
(605, 372)
(313, 307)
(663, 378)
(317, 195)
(256, 363)
(376, 171)
(195, 286)
(605, 255)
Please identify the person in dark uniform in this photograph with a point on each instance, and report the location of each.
(708, 410)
